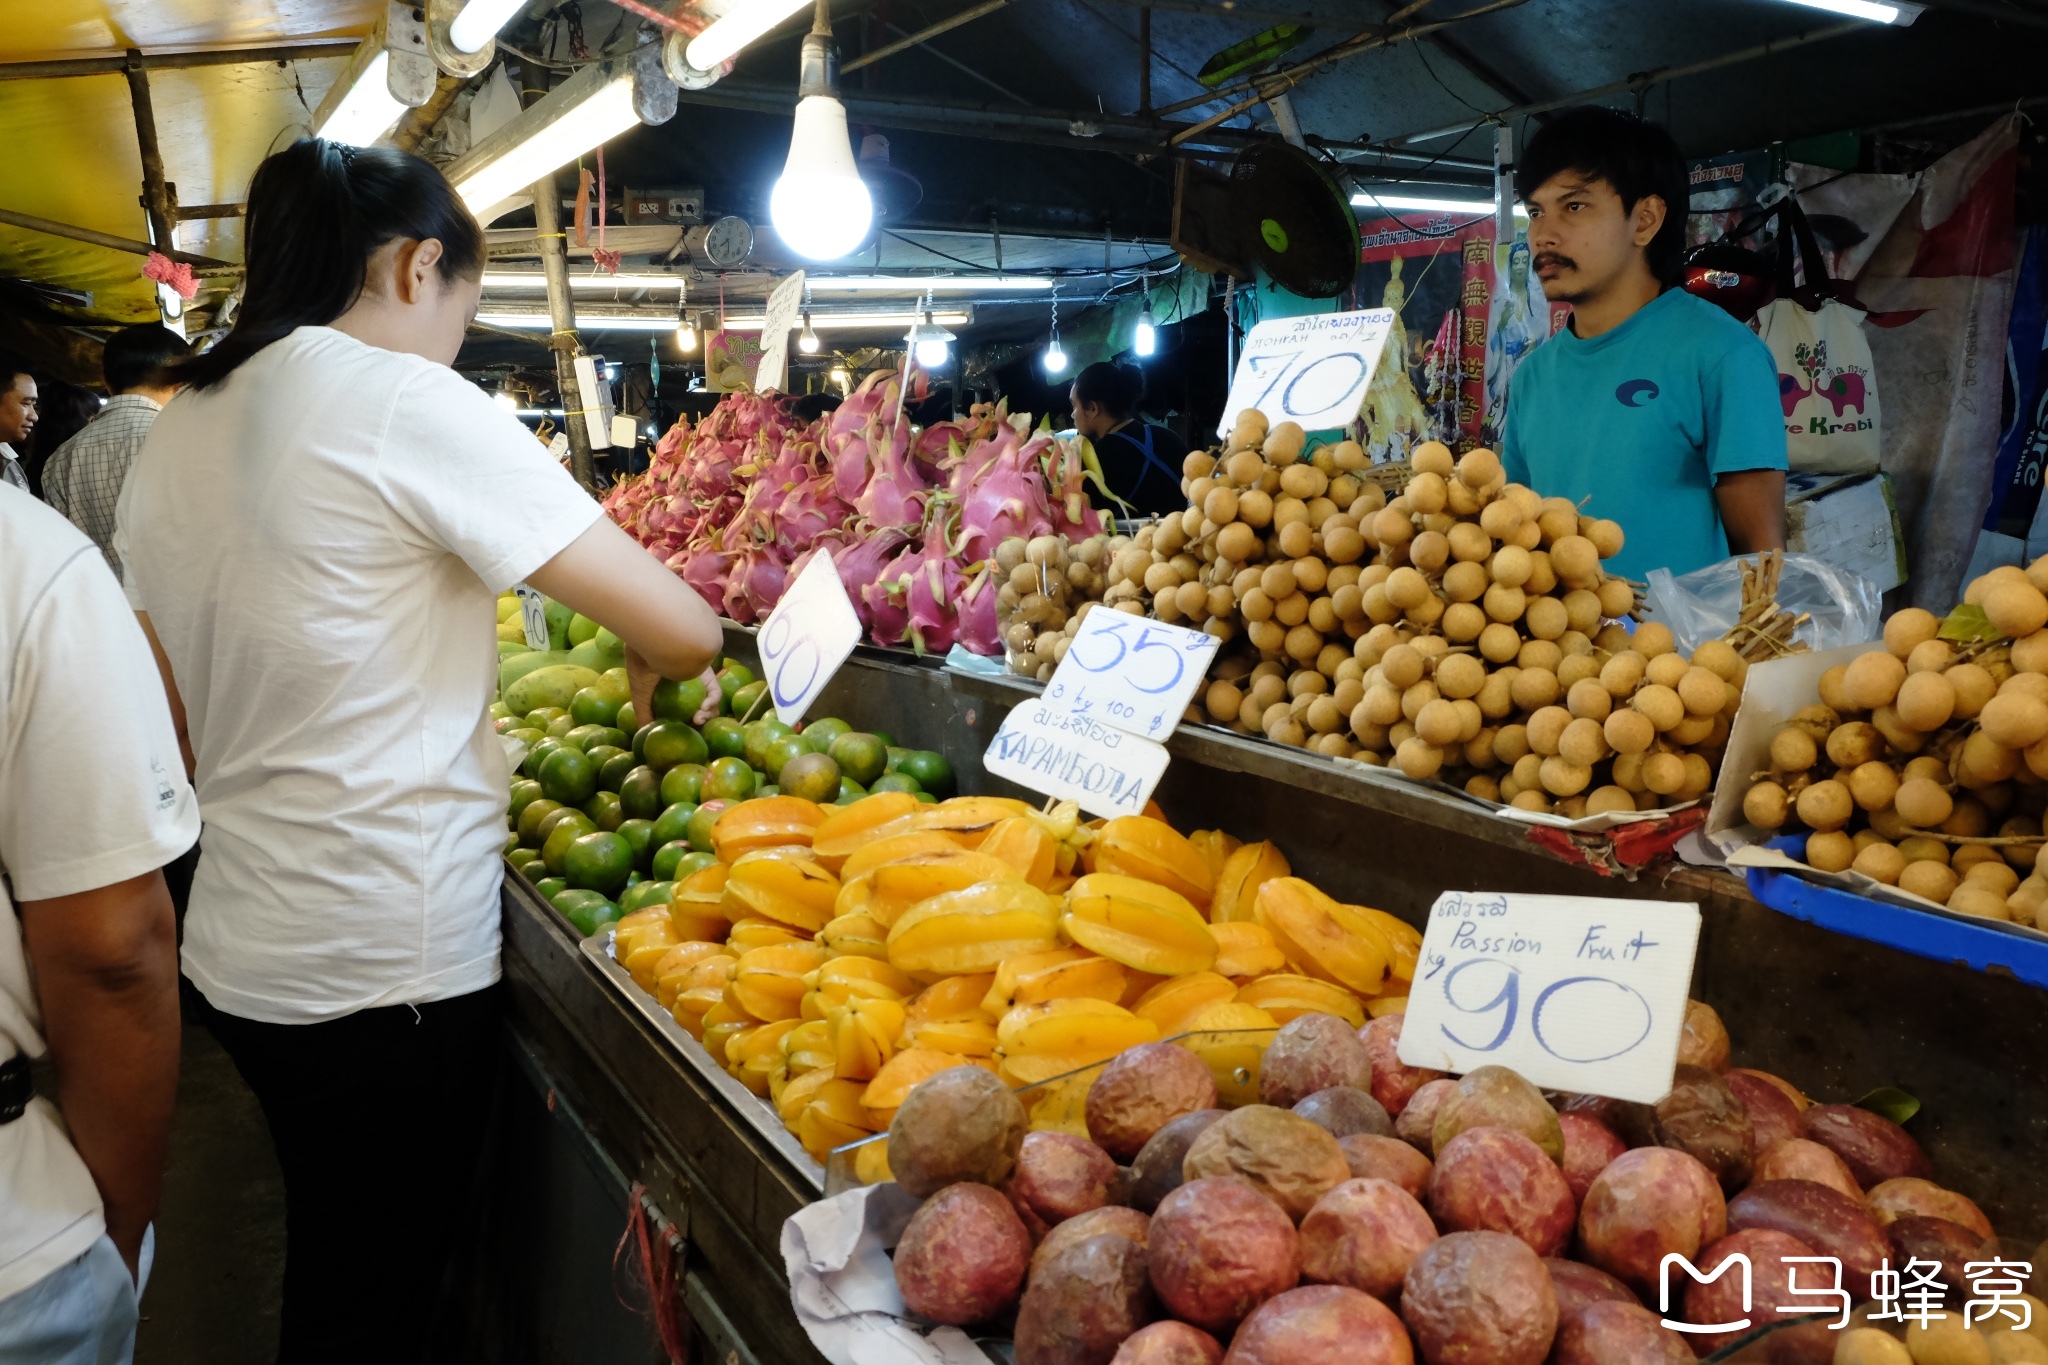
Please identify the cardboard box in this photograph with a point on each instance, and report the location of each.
(1851, 521)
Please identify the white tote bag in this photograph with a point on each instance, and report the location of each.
(1825, 384)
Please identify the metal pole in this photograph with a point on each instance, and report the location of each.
(177, 61)
(108, 240)
(156, 195)
(1229, 331)
(1145, 62)
(554, 259)
(918, 38)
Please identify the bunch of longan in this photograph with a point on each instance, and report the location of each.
(1922, 745)
(1047, 587)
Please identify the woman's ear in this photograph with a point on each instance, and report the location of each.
(416, 269)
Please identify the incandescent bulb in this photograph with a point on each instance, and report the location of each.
(821, 207)
(1148, 332)
(686, 337)
(807, 340)
(504, 399)
(931, 354)
(1055, 358)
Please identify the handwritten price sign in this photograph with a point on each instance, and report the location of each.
(1070, 757)
(1311, 370)
(533, 614)
(807, 637)
(1574, 993)
(1130, 673)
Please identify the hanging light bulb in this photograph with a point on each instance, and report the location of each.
(1148, 332)
(820, 207)
(929, 341)
(506, 399)
(807, 340)
(1055, 359)
(686, 332)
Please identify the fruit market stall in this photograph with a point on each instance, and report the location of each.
(1797, 1001)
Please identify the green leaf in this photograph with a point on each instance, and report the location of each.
(1889, 1101)
(1967, 623)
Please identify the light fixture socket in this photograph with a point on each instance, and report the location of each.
(818, 67)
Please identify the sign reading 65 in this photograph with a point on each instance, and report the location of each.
(1131, 673)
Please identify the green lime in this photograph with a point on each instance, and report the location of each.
(640, 834)
(560, 726)
(547, 823)
(759, 735)
(930, 769)
(511, 843)
(534, 872)
(770, 790)
(732, 678)
(701, 823)
(814, 777)
(581, 628)
(725, 737)
(505, 725)
(822, 732)
(746, 702)
(612, 769)
(604, 808)
(571, 827)
(544, 716)
(634, 879)
(782, 750)
(895, 782)
(850, 790)
(895, 758)
(888, 740)
(530, 817)
(927, 798)
(598, 861)
(525, 734)
(861, 757)
(678, 700)
(596, 706)
(667, 857)
(728, 779)
(537, 754)
(684, 782)
(520, 857)
(617, 679)
(628, 718)
(588, 910)
(550, 887)
(693, 863)
(581, 737)
(568, 776)
(671, 742)
(640, 793)
(525, 791)
(499, 711)
(673, 823)
(642, 895)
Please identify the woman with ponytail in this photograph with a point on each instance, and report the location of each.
(1140, 460)
(315, 534)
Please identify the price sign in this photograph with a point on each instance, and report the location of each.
(533, 612)
(1131, 673)
(1109, 771)
(1310, 370)
(783, 306)
(807, 637)
(1574, 993)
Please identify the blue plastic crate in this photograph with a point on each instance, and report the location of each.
(1942, 938)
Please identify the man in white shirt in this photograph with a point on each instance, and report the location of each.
(84, 475)
(17, 417)
(88, 955)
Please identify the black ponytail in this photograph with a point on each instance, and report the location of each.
(1118, 389)
(317, 212)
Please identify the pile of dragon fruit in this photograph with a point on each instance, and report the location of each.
(738, 504)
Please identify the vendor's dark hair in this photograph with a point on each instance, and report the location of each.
(317, 212)
(1117, 388)
(140, 355)
(11, 367)
(1637, 157)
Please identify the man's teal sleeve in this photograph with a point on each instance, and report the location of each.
(1745, 421)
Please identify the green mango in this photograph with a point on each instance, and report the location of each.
(581, 628)
(553, 686)
(559, 616)
(593, 655)
(526, 661)
(512, 649)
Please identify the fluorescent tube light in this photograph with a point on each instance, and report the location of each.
(1478, 208)
(533, 279)
(368, 110)
(920, 284)
(479, 22)
(658, 322)
(734, 30)
(1900, 14)
(592, 106)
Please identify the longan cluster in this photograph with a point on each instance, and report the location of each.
(1925, 738)
(1047, 588)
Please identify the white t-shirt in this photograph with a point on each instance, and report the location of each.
(319, 541)
(92, 792)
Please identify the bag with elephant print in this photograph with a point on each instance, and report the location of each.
(1826, 383)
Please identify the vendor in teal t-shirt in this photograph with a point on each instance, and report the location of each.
(1654, 405)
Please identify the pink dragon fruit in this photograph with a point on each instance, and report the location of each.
(756, 585)
(979, 632)
(1000, 492)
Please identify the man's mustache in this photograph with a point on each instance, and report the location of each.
(1552, 258)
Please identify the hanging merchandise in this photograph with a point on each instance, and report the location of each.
(1826, 382)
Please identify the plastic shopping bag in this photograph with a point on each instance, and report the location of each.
(1702, 605)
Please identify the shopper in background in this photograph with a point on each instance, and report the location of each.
(1140, 460)
(316, 532)
(62, 410)
(17, 417)
(1656, 407)
(88, 955)
(83, 476)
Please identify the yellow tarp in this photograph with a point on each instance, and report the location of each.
(70, 144)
